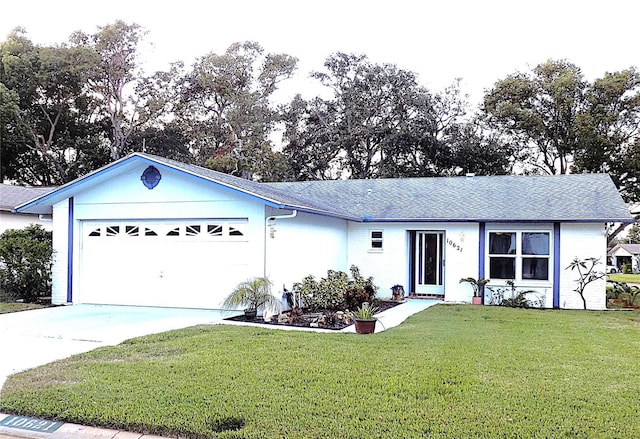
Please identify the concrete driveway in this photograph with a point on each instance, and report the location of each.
(33, 338)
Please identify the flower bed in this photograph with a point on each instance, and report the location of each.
(323, 319)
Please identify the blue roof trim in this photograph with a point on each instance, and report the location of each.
(368, 219)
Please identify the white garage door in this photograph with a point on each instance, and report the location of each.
(191, 264)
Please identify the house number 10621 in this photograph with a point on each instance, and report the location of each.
(454, 244)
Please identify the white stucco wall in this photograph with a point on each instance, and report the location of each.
(582, 240)
(60, 253)
(304, 245)
(177, 197)
(390, 266)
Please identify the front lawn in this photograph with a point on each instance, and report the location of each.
(452, 371)
(627, 278)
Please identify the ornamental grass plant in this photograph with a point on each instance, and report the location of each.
(451, 371)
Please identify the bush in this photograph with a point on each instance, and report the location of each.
(25, 263)
(626, 269)
(510, 296)
(336, 290)
(328, 293)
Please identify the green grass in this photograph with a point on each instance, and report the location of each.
(448, 372)
(628, 278)
(15, 307)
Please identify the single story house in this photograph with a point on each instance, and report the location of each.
(11, 196)
(146, 230)
(625, 254)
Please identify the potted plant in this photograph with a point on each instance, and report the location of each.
(478, 288)
(364, 319)
(251, 294)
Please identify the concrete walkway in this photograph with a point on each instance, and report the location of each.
(19, 427)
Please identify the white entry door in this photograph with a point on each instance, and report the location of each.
(428, 262)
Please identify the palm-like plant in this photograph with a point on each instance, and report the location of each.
(251, 294)
(477, 285)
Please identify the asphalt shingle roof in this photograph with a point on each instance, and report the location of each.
(11, 195)
(574, 197)
(578, 197)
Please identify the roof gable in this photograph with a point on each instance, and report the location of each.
(577, 197)
(632, 249)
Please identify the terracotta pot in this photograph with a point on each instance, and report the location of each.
(476, 300)
(365, 326)
(250, 314)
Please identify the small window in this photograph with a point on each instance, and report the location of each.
(234, 232)
(96, 232)
(192, 230)
(214, 229)
(132, 230)
(149, 232)
(376, 240)
(113, 230)
(174, 232)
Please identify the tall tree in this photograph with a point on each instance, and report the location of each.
(226, 106)
(537, 112)
(609, 130)
(380, 123)
(128, 99)
(312, 149)
(54, 131)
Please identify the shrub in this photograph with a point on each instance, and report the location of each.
(622, 290)
(355, 296)
(25, 263)
(510, 296)
(328, 293)
(336, 290)
(626, 269)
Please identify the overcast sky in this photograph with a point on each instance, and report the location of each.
(478, 41)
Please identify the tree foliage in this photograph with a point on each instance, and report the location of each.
(50, 133)
(226, 110)
(68, 109)
(562, 123)
(25, 263)
(538, 111)
(125, 97)
(382, 123)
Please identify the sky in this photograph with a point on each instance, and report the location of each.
(479, 41)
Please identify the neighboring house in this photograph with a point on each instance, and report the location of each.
(623, 254)
(11, 196)
(146, 230)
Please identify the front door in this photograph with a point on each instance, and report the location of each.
(428, 262)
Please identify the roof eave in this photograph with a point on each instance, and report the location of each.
(369, 219)
(67, 190)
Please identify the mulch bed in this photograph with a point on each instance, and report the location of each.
(323, 319)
